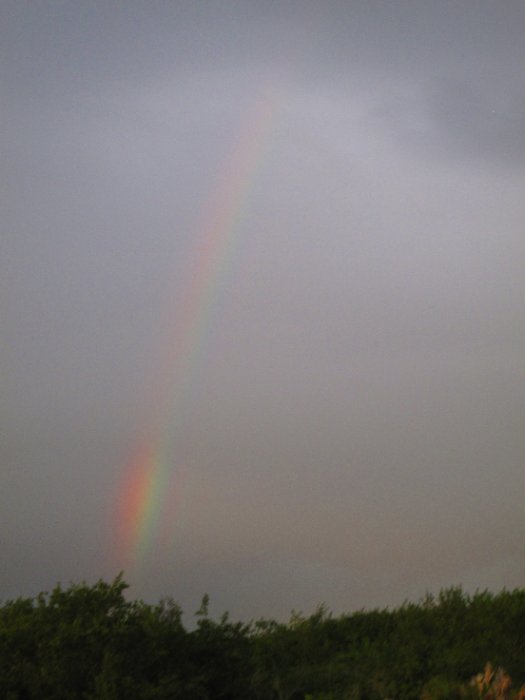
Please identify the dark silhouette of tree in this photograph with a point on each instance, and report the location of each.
(90, 643)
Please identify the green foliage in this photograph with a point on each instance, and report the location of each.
(51, 646)
(90, 643)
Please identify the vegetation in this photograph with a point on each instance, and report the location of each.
(90, 643)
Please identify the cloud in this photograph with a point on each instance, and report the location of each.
(359, 377)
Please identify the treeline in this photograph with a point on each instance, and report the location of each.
(90, 643)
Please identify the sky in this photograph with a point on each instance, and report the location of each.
(262, 300)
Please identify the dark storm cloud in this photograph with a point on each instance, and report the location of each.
(441, 76)
(480, 121)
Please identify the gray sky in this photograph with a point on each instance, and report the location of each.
(352, 431)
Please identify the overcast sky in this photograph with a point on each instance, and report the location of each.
(352, 430)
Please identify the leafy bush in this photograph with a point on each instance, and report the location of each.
(90, 643)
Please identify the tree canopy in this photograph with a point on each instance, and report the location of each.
(91, 643)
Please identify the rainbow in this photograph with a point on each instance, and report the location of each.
(151, 482)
